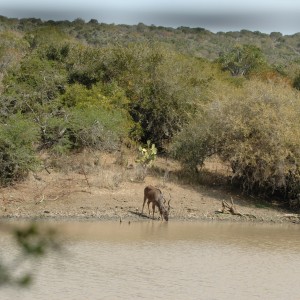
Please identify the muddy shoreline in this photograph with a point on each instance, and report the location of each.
(109, 192)
(123, 204)
(104, 218)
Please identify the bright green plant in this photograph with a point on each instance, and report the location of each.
(147, 155)
(108, 96)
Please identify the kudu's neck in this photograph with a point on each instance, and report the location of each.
(161, 208)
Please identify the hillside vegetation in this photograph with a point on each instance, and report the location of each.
(68, 86)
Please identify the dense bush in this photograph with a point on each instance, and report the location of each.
(163, 87)
(18, 136)
(108, 96)
(241, 59)
(160, 88)
(97, 129)
(96, 95)
(296, 82)
(89, 127)
(257, 130)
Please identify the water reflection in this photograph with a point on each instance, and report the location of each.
(262, 236)
(160, 260)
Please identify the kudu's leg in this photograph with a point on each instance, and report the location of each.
(145, 198)
(153, 210)
(148, 203)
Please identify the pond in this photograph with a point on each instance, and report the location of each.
(160, 260)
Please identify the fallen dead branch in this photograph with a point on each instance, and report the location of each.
(85, 177)
(294, 218)
(50, 199)
(232, 209)
(61, 195)
(290, 216)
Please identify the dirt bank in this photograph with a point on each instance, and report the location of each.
(108, 191)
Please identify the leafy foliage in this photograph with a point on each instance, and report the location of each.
(241, 59)
(17, 138)
(256, 130)
(109, 96)
(296, 82)
(33, 242)
(99, 85)
(97, 129)
(163, 87)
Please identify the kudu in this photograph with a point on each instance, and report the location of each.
(155, 196)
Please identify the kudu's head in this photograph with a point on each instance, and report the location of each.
(166, 211)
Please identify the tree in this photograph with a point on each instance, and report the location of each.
(163, 87)
(241, 59)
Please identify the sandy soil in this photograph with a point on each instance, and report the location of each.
(103, 190)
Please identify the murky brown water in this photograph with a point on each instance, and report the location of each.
(154, 260)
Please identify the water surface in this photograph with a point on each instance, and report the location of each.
(175, 260)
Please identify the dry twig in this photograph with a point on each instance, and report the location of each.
(232, 209)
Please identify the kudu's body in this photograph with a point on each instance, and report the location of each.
(155, 196)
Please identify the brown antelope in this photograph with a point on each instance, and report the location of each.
(155, 196)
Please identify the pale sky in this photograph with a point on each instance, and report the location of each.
(227, 15)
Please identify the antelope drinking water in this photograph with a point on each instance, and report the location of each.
(155, 196)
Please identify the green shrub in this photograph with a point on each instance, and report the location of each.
(296, 82)
(33, 86)
(163, 87)
(97, 128)
(18, 136)
(53, 134)
(241, 59)
(57, 52)
(92, 127)
(108, 96)
(159, 87)
(256, 130)
(84, 65)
